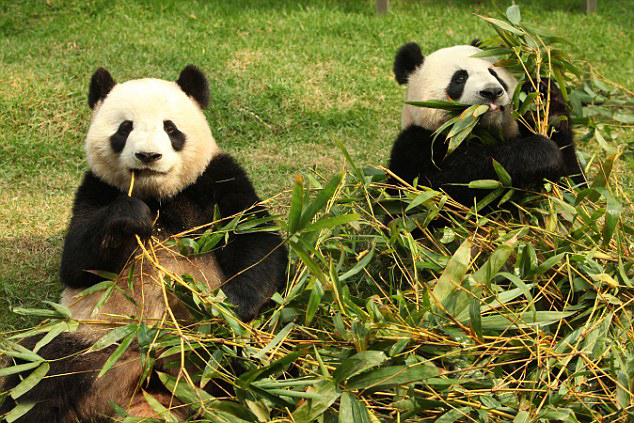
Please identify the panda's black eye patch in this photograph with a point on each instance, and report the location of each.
(176, 136)
(457, 83)
(118, 139)
(502, 83)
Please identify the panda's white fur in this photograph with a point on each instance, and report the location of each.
(148, 102)
(430, 80)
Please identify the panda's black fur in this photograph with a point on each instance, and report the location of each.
(102, 236)
(528, 158)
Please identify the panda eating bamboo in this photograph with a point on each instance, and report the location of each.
(453, 74)
(154, 171)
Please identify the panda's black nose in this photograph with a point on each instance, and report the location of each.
(492, 93)
(148, 157)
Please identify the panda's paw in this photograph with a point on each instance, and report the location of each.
(130, 216)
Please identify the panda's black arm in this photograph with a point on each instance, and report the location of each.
(101, 232)
(412, 156)
(253, 263)
(560, 129)
(528, 160)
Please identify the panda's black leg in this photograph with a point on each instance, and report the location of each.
(253, 263)
(254, 266)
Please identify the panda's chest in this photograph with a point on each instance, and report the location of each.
(179, 215)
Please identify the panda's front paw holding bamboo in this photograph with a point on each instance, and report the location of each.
(129, 216)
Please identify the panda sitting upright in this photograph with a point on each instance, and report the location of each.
(155, 130)
(453, 74)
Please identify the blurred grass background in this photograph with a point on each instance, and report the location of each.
(287, 79)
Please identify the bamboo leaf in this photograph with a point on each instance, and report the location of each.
(358, 363)
(513, 14)
(313, 408)
(30, 381)
(387, 377)
(297, 204)
(320, 201)
(114, 357)
(329, 222)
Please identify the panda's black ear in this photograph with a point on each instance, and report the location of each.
(477, 43)
(408, 58)
(100, 85)
(194, 83)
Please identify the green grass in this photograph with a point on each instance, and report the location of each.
(287, 80)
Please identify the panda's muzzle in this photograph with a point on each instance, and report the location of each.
(146, 157)
(491, 93)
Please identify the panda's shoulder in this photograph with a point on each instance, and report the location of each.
(94, 190)
(223, 174)
(413, 136)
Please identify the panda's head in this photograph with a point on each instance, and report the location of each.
(151, 127)
(454, 74)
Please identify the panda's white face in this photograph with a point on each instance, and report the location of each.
(152, 128)
(453, 74)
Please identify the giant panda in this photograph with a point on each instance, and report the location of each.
(155, 130)
(453, 74)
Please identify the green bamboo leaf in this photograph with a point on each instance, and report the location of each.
(527, 104)
(19, 410)
(502, 25)
(314, 300)
(297, 204)
(455, 141)
(183, 391)
(421, 198)
(160, 409)
(453, 274)
(278, 338)
(502, 174)
(548, 263)
(309, 262)
(358, 363)
(30, 381)
(388, 377)
(6, 371)
(361, 264)
(456, 414)
(121, 349)
(101, 286)
(622, 389)
(313, 408)
(494, 52)
(525, 320)
(320, 201)
(561, 81)
(52, 333)
(112, 336)
(513, 14)
(60, 309)
(522, 416)
(612, 215)
(485, 184)
(329, 222)
(439, 104)
(37, 312)
(475, 319)
(352, 411)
